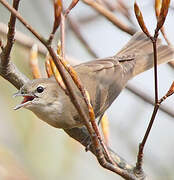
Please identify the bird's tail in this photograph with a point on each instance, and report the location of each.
(140, 50)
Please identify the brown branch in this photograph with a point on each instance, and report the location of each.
(76, 29)
(72, 95)
(97, 140)
(122, 7)
(110, 16)
(57, 19)
(23, 39)
(21, 19)
(157, 7)
(71, 6)
(7, 69)
(13, 75)
(27, 42)
(160, 22)
(5, 55)
(81, 112)
(84, 93)
(126, 173)
(145, 97)
(96, 137)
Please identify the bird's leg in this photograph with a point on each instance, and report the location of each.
(88, 142)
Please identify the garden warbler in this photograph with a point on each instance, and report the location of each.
(104, 79)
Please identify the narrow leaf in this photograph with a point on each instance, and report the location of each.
(105, 128)
(171, 90)
(140, 19)
(71, 6)
(57, 13)
(33, 60)
(48, 67)
(158, 4)
(163, 14)
(57, 75)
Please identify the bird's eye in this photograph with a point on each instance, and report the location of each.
(40, 89)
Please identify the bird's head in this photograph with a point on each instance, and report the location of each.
(38, 93)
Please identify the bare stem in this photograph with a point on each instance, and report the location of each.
(138, 168)
(110, 16)
(154, 40)
(21, 19)
(98, 151)
(76, 29)
(62, 36)
(5, 56)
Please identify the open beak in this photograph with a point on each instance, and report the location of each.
(27, 100)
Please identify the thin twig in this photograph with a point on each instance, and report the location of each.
(62, 36)
(27, 42)
(22, 39)
(122, 7)
(110, 16)
(22, 20)
(5, 56)
(138, 168)
(133, 89)
(7, 69)
(157, 6)
(72, 94)
(57, 19)
(71, 6)
(160, 22)
(142, 95)
(84, 93)
(83, 90)
(76, 29)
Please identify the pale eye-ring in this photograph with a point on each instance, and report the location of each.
(40, 89)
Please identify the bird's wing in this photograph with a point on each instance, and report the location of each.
(104, 79)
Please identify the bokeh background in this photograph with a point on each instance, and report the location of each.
(32, 150)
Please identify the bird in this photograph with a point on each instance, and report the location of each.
(104, 80)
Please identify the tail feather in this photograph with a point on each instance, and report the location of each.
(138, 42)
(141, 49)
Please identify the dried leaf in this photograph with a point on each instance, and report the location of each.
(171, 90)
(71, 6)
(140, 19)
(33, 60)
(163, 14)
(48, 67)
(57, 75)
(76, 80)
(59, 49)
(57, 13)
(105, 128)
(158, 4)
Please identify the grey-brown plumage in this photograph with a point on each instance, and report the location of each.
(104, 79)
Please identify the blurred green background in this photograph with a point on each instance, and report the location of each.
(32, 150)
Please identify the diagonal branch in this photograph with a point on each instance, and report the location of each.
(5, 55)
(23, 39)
(7, 69)
(110, 16)
(124, 171)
